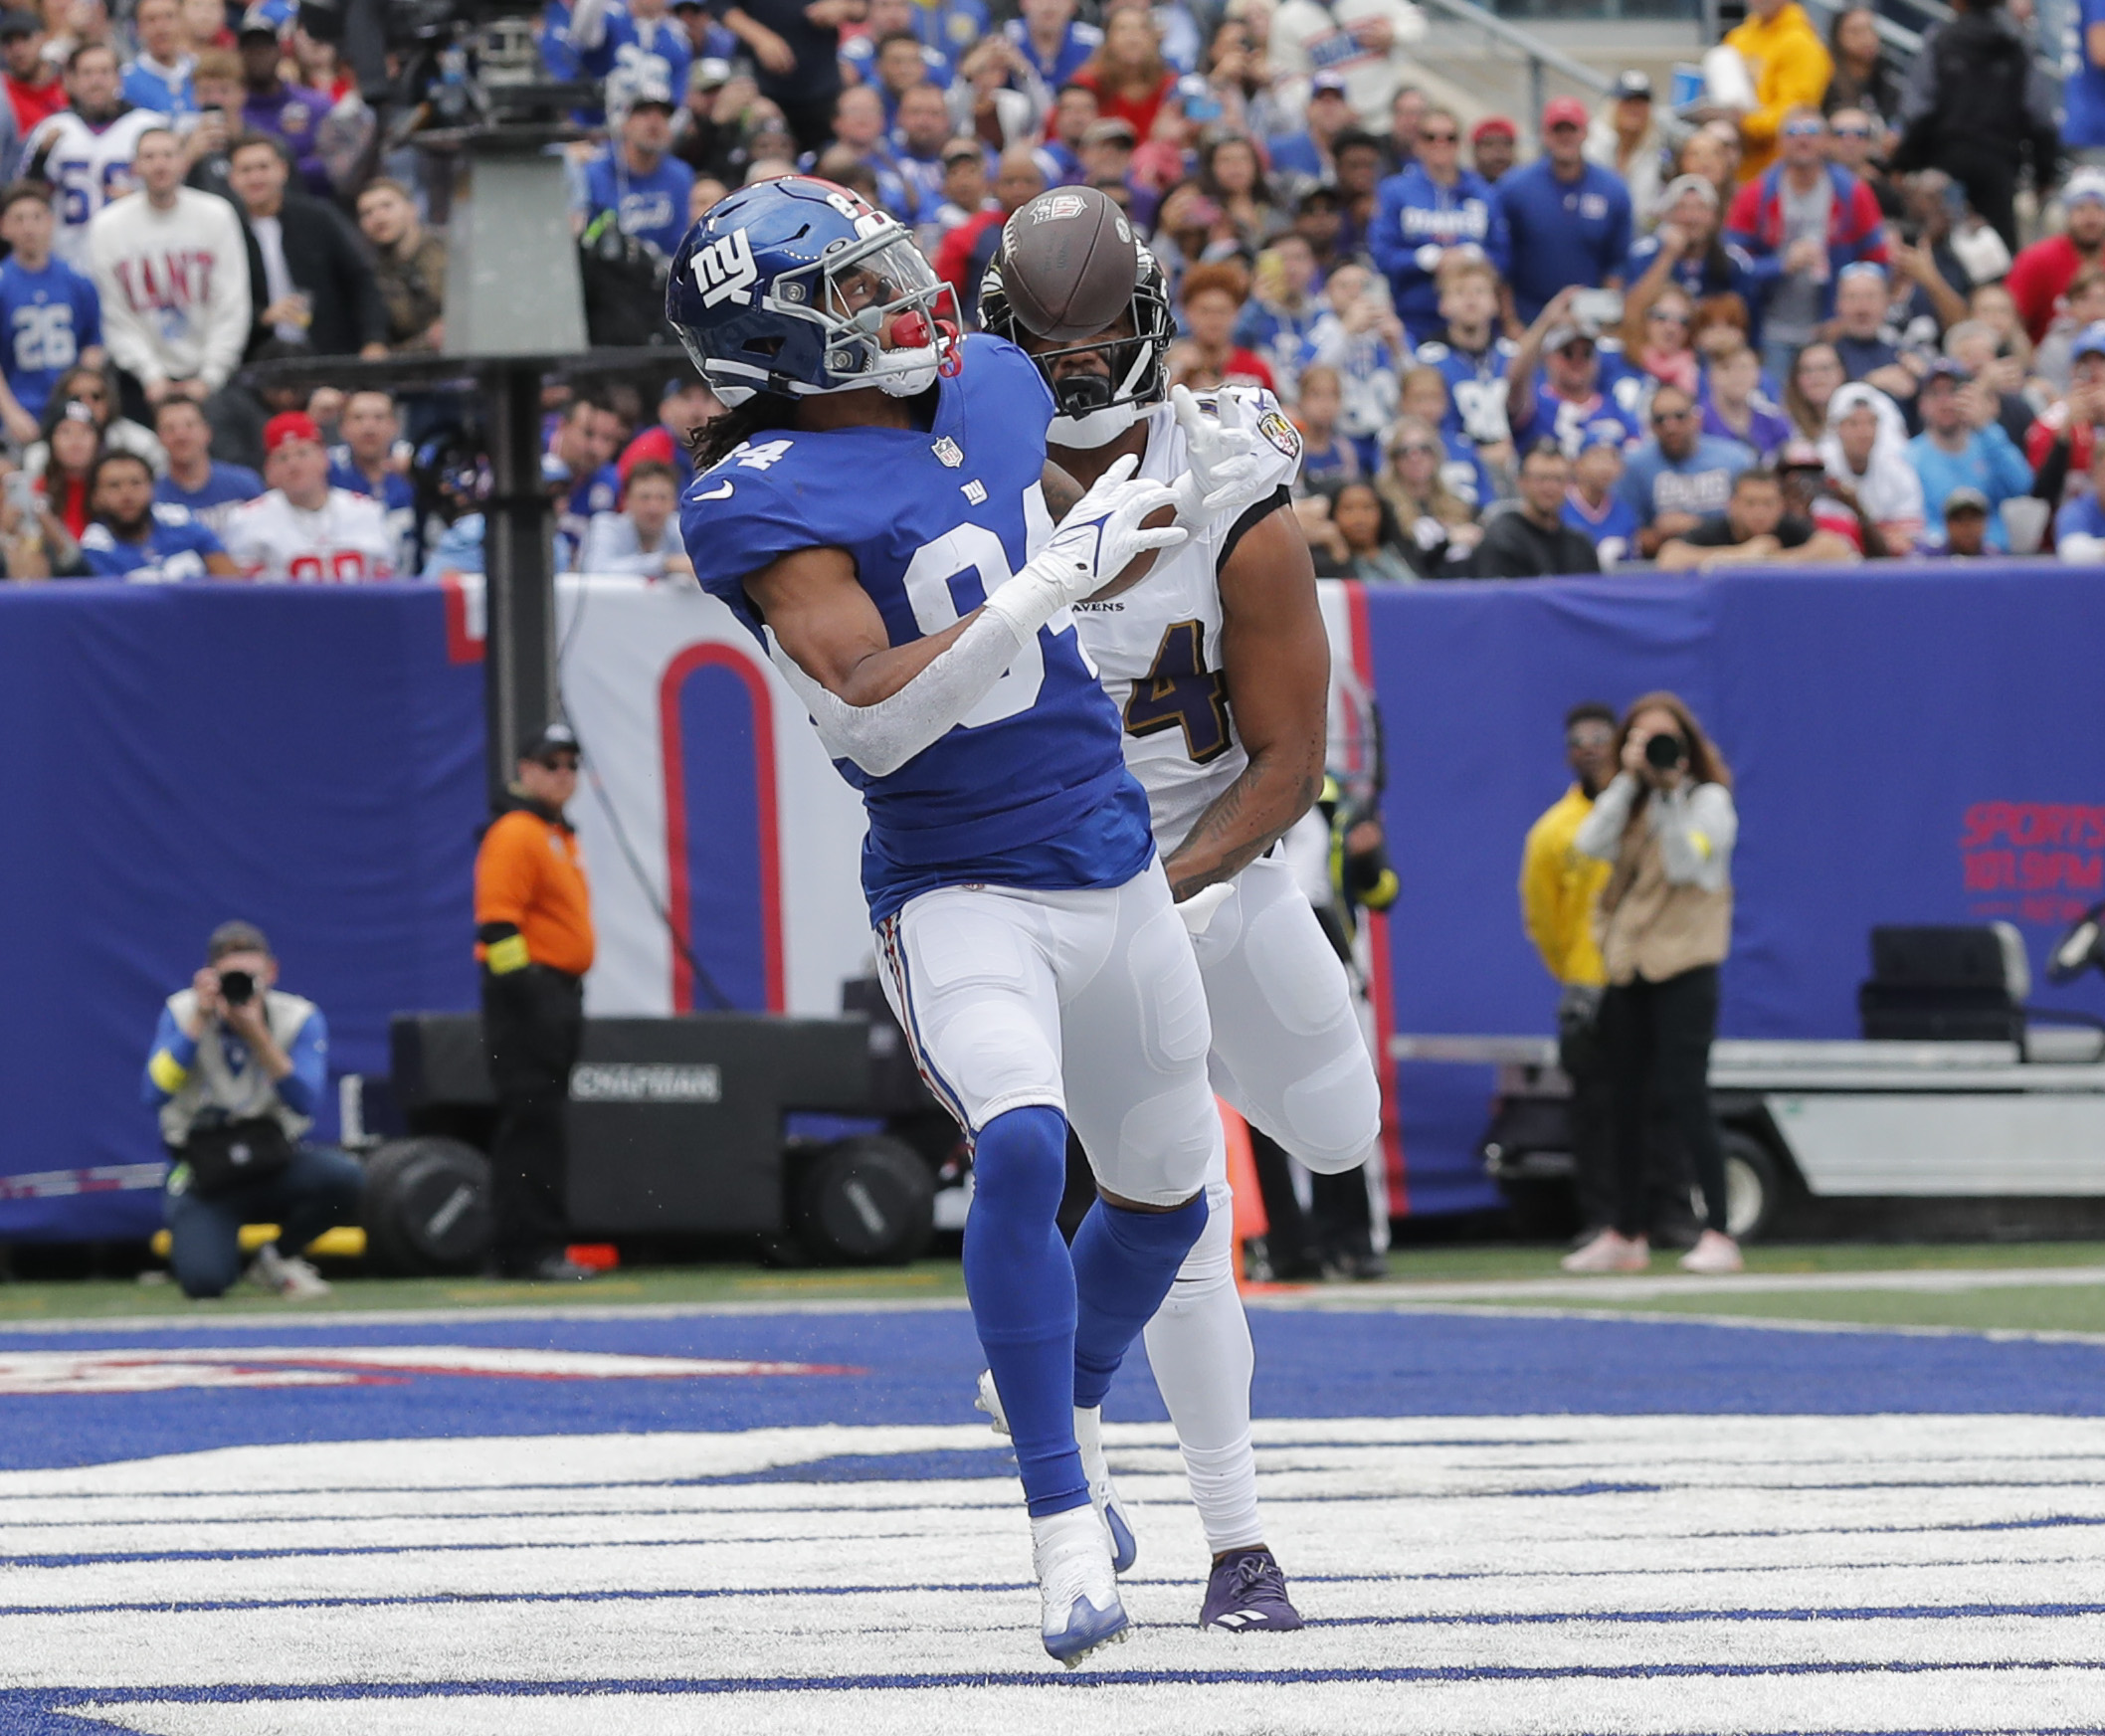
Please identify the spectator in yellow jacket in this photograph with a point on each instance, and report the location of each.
(1558, 885)
(1789, 65)
(1558, 889)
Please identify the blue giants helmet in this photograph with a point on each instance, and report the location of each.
(797, 286)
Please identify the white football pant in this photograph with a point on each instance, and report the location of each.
(1288, 1054)
(1087, 1002)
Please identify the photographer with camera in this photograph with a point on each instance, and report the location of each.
(1667, 824)
(235, 1071)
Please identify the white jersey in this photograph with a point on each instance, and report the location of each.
(342, 541)
(1157, 646)
(87, 166)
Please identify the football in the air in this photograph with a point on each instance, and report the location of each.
(1068, 263)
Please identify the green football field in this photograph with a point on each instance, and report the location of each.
(2055, 1286)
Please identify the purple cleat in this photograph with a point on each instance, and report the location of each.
(1248, 1592)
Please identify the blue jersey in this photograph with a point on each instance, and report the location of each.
(174, 547)
(2082, 84)
(652, 207)
(1476, 387)
(1612, 529)
(1076, 44)
(1416, 221)
(147, 88)
(228, 487)
(1699, 483)
(636, 48)
(397, 494)
(1562, 232)
(860, 54)
(1031, 788)
(46, 318)
(1572, 425)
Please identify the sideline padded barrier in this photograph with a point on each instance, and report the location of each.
(1912, 744)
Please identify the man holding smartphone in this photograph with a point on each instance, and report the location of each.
(236, 1070)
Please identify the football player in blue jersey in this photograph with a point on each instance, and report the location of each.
(876, 509)
(134, 536)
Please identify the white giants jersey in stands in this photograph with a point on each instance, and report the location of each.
(342, 541)
(1157, 646)
(88, 166)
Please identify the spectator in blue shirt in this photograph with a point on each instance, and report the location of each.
(859, 129)
(131, 535)
(898, 62)
(1566, 221)
(1471, 355)
(1430, 207)
(634, 178)
(1688, 249)
(1051, 41)
(2083, 83)
(1278, 321)
(951, 25)
(1963, 445)
(578, 467)
(1308, 152)
(1556, 385)
(50, 314)
(1594, 504)
(1680, 477)
(159, 76)
(1735, 408)
(917, 146)
(233, 1048)
(630, 44)
(195, 480)
(364, 463)
(2080, 526)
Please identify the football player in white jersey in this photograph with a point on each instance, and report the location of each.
(303, 528)
(85, 152)
(1219, 667)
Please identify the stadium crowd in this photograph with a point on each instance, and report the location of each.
(1794, 325)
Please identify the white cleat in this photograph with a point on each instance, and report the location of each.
(1103, 1495)
(1072, 1555)
(286, 1276)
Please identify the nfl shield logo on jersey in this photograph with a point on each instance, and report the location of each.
(948, 452)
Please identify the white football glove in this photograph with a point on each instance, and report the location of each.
(1228, 471)
(1099, 537)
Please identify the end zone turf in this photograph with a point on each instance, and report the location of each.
(1495, 1524)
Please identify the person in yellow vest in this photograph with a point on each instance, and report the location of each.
(1558, 887)
(1666, 825)
(534, 942)
(1789, 65)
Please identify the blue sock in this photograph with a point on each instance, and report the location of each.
(1124, 1264)
(1021, 1288)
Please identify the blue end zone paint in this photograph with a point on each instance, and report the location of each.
(922, 1368)
(719, 772)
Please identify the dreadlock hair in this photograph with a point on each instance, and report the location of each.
(713, 439)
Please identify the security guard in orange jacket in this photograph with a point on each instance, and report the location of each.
(533, 940)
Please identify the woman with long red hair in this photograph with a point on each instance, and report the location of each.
(1667, 826)
(1127, 71)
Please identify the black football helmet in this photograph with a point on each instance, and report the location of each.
(1095, 407)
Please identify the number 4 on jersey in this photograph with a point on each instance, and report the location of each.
(1180, 692)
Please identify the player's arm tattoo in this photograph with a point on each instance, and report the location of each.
(1061, 491)
(1275, 657)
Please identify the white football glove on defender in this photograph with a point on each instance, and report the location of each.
(1229, 473)
(1099, 537)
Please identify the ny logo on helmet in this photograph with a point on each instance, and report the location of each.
(725, 270)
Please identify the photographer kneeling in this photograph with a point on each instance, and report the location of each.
(1664, 923)
(235, 1071)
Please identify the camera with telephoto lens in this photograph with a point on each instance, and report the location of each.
(1664, 752)
(237, 988)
